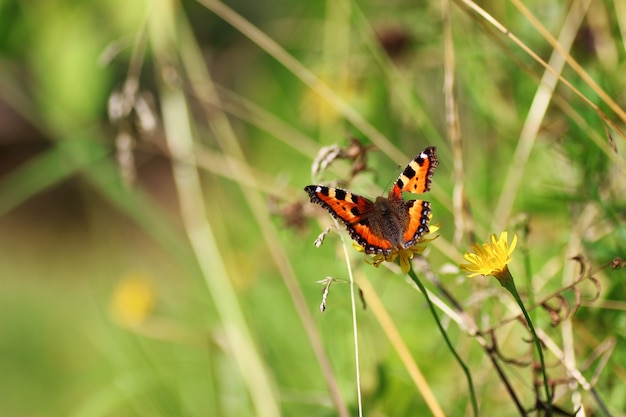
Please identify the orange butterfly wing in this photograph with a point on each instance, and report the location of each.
(353, 211)
(356, 211)
(419, 216)
(416, 178)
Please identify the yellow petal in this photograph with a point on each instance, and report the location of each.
(513, 244)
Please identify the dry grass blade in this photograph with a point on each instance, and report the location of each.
(236, 105)
(306, 75)
(575, 66)
(536, 113)
(481, 12)
(386, 323)
(176, 120)
(209, 258)
(230, 146)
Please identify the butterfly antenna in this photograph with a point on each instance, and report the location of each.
(392, 181)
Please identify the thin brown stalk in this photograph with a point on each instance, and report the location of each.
(460, 211)
(572, 371)
(575, 246)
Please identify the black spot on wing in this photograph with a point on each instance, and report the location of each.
(341, 204)
(409, 172)
(312, 190)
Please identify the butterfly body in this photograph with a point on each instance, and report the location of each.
(388, 219)
(387, 223)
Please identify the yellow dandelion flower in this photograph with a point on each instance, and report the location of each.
(490, 258)
(133, 300)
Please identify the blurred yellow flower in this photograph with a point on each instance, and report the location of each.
(133, 300)
(316, 108)
(404, 255)
(490, 258)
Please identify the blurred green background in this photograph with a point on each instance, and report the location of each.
(156, 246)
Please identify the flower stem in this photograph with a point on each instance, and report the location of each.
(506, 280)
(448, 342)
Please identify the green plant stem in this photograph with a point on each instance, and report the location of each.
(506, 280)
(448, 342)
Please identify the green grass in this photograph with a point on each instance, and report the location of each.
(209, 208)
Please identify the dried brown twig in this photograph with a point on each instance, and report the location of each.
(355, 151)
(555, 312)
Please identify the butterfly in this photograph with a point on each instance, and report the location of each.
(389, 222)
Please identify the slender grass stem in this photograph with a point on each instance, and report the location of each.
(507, 282)
(468, 375)
(354, 329)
